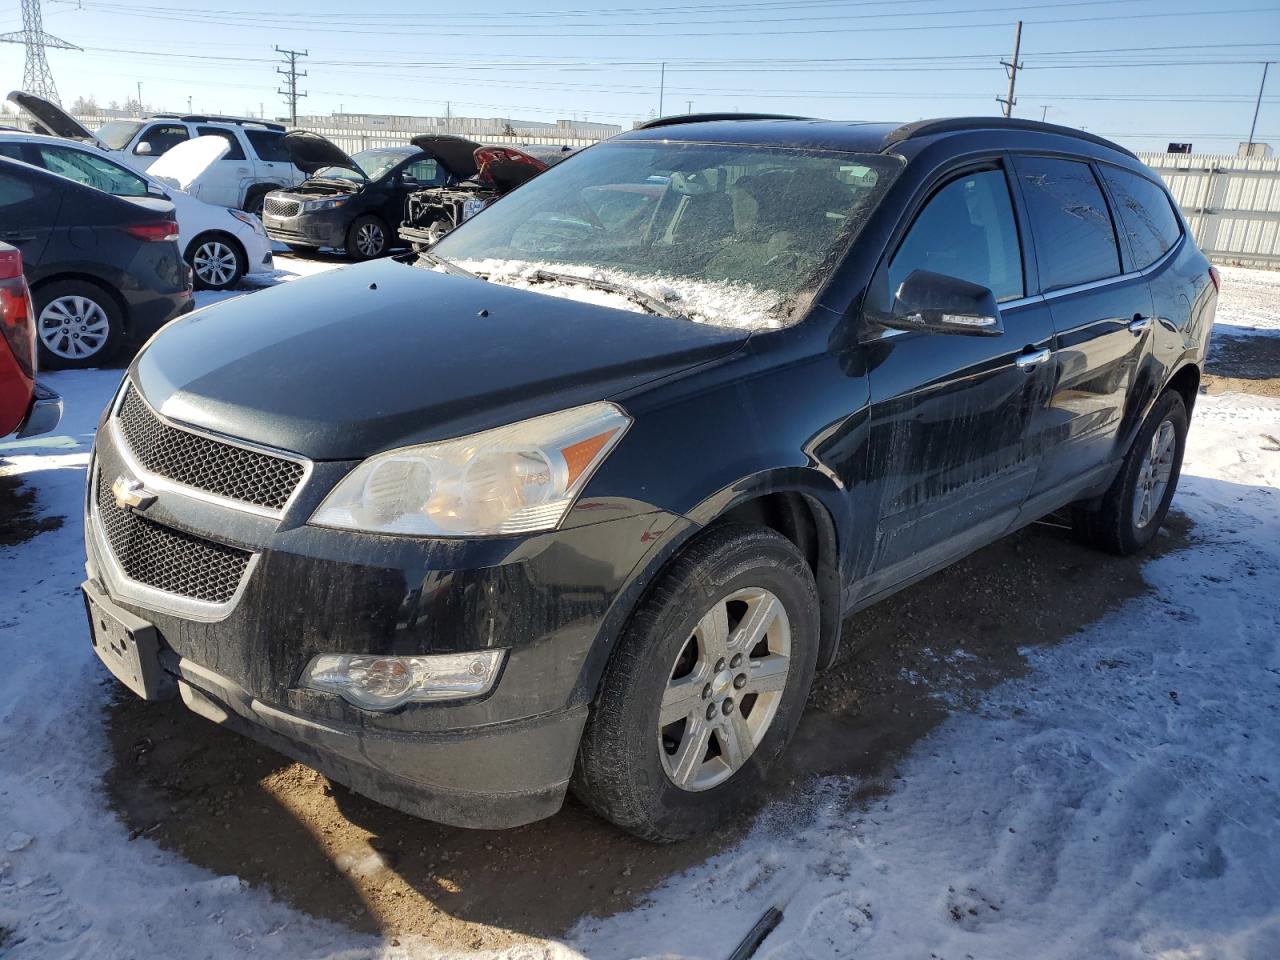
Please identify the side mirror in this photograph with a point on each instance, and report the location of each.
(143, 149)
(936, 303)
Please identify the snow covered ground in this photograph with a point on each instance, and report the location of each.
(1121, 800)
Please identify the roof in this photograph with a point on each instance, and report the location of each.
(853, 136)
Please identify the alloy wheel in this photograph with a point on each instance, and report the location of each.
(214, 263)
(1153, 478)
(73, 327)
(725, 688)
(370, 239)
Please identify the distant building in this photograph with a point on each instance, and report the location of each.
(1255, 149)
(463, 126)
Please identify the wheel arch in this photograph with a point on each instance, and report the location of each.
(1186, 382)
(81, 277)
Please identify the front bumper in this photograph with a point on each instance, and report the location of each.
(326, 228)
(257, 251)
(44, 415)
(553, 601)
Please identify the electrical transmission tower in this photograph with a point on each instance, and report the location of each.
(37, 78)
(291, 73)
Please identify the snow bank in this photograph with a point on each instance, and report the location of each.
(740, 306)
(1250, 302)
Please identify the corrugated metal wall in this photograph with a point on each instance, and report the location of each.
(1232, 203)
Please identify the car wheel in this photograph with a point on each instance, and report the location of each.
(78, 324)
(705, 689)
(367, 238)
(1133, 508)
(217, 262)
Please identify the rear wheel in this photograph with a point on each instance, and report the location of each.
(217, 262)
(367, 238)
(705, 689)
(1133, 508)
(78, 324)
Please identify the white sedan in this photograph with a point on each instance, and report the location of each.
(221, 244)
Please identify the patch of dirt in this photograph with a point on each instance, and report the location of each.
(18, 520)
(1243, 365)
(235, 807)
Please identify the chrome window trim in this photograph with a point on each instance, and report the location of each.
(121, 587)
(173, 486)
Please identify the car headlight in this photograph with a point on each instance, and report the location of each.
(510, 480)
(250, 220)
(375, 682)
(311, 206)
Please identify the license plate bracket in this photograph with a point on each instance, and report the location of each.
(128, 645)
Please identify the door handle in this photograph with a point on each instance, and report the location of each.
(1139, 323)
(1029, 361)
(19, 237)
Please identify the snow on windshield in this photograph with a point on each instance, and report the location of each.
(722, 304)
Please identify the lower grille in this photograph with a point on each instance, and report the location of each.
(277, 207)
(166, 559)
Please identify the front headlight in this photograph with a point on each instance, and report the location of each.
(311, 206)
(511, 480)
(250, 220)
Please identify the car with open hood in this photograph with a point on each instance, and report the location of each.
(254, 163)
(222, 245)
(581, 497)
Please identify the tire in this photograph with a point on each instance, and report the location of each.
(654, 782)
(301, 250)
(217, 261)
(1124, 522)
(255, 198)
(361, 236)
(78, 325)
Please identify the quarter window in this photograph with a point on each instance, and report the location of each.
(1146, 215)
(11, 150)
(268, 145)
(163, 136)
(1075, 240)
(967, 230)
(235, 153)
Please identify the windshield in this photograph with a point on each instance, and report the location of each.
(375, 163)
(735, 235)
(116, 134)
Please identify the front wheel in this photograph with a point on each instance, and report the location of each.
(367, 238)
(1135, 505)
(705, 689)
(217, 262)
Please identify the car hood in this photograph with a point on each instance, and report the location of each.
(51, 117)
(183, 165)
(311, 152)
(366, 358)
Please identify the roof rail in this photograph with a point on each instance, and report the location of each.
(706, 117)
(213, 118)
(926, 128)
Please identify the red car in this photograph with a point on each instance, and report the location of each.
(26, 407)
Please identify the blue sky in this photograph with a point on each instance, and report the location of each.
(1141, 71)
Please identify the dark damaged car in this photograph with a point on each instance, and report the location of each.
(580, 499)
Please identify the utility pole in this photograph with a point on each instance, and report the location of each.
(1258, 106)
(1044, 112)
(662, 86)
(688, 106)
(189, 109)
(1012, 68)
(37, 78)
(291, 75)
(139, 98)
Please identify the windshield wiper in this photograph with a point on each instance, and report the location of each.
(650, 303)
(448, 265)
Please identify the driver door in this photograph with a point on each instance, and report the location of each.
(955, 418)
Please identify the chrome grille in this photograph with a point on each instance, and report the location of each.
(278, 207)
(197, 461)
(167, 559)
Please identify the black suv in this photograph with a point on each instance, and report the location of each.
(582, 496)
(104, 271)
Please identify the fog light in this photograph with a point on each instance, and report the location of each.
(384, 683)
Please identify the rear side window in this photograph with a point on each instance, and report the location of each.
(268, 145)
(423, 171)
(162, 136)
(1075, 240)
(11, 150)
(91, 170)
(235, 153)
(1146, 215)
(967, 231)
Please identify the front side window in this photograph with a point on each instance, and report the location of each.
(162, 136)
(1075, 241)
(1146, 215)
(966, 230)
(235, 152)
(92, 171)
(736, 235)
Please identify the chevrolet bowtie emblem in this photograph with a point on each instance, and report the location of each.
(131, 494)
